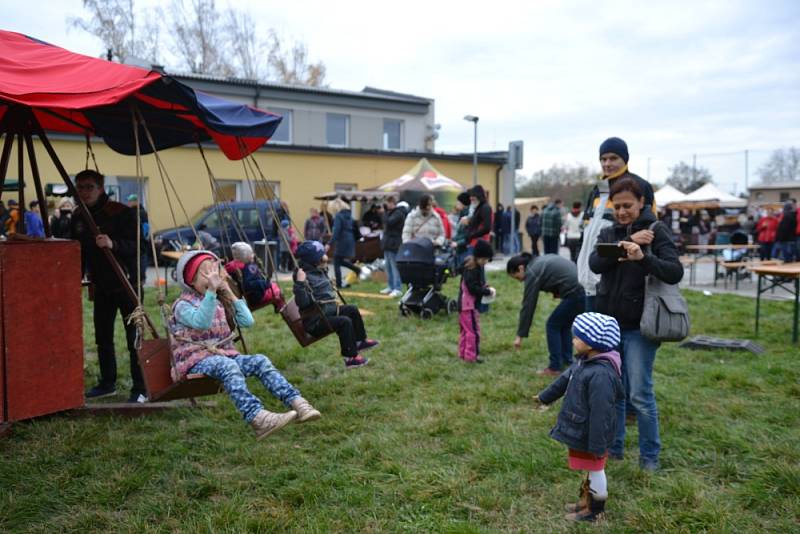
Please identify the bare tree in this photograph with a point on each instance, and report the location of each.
(783, 166)
(199, 37)
(290, 64)
(249, 53)
(114, 22)
(686, 178)
(567, 182)
(204, 39)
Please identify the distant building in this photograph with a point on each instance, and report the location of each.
(329, 140)
(774, 193)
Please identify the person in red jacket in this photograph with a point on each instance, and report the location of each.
(766, 229)
(448, 229)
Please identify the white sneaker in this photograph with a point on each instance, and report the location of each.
(386, 290)
(365, 273)
(305, 412)
(396, 293)
(267, 422)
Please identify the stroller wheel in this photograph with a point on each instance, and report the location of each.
(452, 306)
(404, 311)
(426, 313)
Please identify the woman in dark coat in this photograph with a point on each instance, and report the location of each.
(394, 219)
(620, 294)
(344, 242)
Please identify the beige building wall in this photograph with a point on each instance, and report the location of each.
(301, 175)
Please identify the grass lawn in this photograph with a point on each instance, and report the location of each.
(419, 441)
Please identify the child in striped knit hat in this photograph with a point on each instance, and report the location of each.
(591, 387)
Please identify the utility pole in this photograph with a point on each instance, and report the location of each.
(746, 168)
(648, 168)
(694, 168)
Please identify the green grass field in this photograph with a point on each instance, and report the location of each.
(418, 441)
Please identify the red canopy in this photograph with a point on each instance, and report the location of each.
(73, 93)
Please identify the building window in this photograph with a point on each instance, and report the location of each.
(784, 196)
(759, 196)
(284, 132)
(266, 191)
(392, 134)
(336, 129)
(228, 190)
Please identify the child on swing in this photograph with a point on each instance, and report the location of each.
(591, 387)
(202, 343)
(256, 289)
(314, 292)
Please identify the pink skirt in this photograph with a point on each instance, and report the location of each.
(585, 461)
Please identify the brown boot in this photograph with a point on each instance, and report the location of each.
(595, 511)
(583, 498)
(305, 412)
(266, 422)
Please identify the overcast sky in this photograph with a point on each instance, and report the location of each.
(672, 78)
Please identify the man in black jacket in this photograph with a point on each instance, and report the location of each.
(117, 224)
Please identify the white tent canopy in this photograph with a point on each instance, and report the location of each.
(668, 195)
(710, 193)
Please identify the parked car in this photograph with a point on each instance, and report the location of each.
(226, 223)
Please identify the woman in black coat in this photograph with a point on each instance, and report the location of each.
(620, 294)
(394, 219)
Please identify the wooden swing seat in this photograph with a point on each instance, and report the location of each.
(294, 320)
(155, 360)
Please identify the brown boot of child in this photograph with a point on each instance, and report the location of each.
(583, 498)
(594, 511)
(266, 422)
(305, 412)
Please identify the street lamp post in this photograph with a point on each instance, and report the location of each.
(474, 120)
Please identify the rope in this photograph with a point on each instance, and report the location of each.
(165, 178)
(89, 151)
(138, 318)
(272, 196)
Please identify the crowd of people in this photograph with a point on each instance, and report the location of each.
(601, 362)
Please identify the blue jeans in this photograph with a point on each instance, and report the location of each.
(392, 273)
(589, 303)
(232, 372)
(638, 355)
(788, 250)
(559, 330)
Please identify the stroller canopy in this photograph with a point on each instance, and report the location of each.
(73, 93)
(419, 250)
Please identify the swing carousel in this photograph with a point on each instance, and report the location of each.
(46, 89)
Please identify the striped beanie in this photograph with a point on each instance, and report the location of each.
(601, 332)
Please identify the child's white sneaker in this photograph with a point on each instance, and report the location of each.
(386, 290)
(305, 412)
(266, 422)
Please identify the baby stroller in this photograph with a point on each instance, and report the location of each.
(425, 273)
(736, 255)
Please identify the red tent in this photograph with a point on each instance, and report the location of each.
(74, 93)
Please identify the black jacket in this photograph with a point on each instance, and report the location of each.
(393, 229)
(786, 227)
(119, 223)
(533, 225)
(317, 289)
(480, 223)
(475, 280)
(620, 292)
(588, 418)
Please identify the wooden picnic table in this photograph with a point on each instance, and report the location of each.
(780, 276)
(715, 250)
(749, 265)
